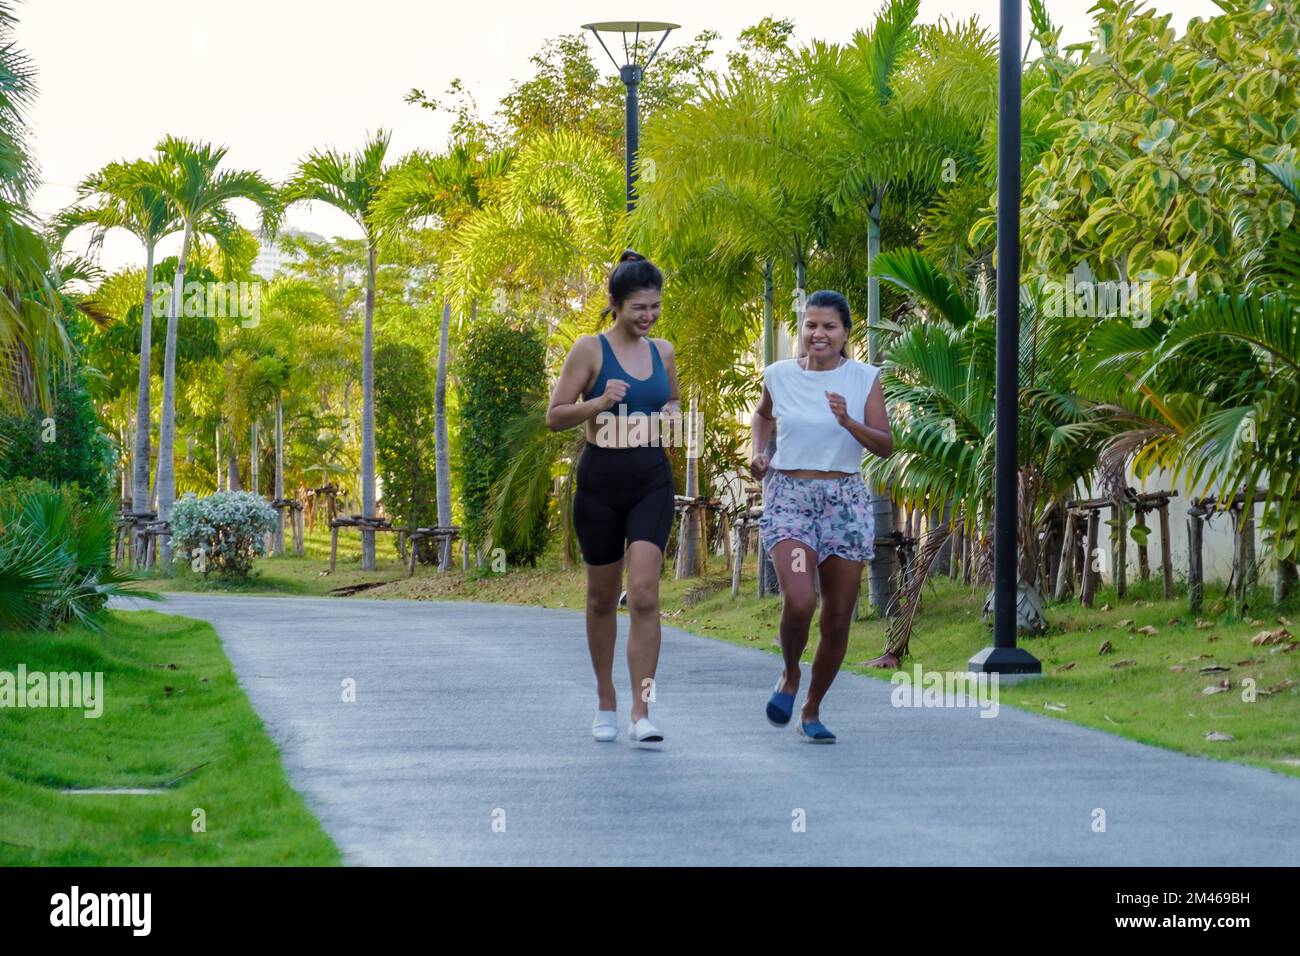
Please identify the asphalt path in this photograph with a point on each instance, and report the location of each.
(468, 742)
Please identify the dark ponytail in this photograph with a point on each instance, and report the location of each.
(834, 300)
(633, 273)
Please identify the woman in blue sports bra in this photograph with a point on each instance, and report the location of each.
(623, 504)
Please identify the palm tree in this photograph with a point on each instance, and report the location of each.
(939, 373)
(447, 189)
(740, 165)
(187, 174)
(352, 184)
(34, 346)
(554, 219)
(127, 196)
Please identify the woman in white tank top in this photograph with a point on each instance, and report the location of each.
(825, 408)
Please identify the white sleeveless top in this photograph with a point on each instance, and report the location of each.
(807, 434)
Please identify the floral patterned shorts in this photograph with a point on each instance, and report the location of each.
(830, 515)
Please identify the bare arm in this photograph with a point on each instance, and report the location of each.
(761, 426)
(566, 410)
(669, 355)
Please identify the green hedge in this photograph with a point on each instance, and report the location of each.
(405, 454)
(501, 370)
(67, 447)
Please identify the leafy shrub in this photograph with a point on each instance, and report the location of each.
(221, 532)
(502, 372)
(404, 439)
(66, 447)
(56, 556)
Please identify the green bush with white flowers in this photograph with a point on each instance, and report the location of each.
(221, 532)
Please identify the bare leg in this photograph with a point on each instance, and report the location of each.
(644, 566)
(840, 581)
(603, 583)
(795, 564)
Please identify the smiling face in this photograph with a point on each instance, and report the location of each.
(639, 311)
(823, 333)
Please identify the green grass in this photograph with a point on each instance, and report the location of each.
(1145, 700)
(171, 704)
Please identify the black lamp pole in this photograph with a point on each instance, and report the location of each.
(1004, 656)
(631, 76)
(631, 73)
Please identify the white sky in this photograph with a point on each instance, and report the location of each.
(273, 79)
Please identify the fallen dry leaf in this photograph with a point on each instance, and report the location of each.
(1202, 624)
(1105, 648)
(1174, 621)
(1106, 607)
(1177, 668)
(1064, 667)
(1054, 706)
(1278, 688)
(1217, 736)
(1284, 622)
(1126, 662)
(1213, 689)
(1124, 623)
(1148, 630)
(1250, 660)
(1214, 669)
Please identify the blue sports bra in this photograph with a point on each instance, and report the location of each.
(644, 395)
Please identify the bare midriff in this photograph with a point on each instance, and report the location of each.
(810, 473)
(627, 433)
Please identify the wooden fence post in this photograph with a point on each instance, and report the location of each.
(1195, 586)
(1166, 551)
(1090, 575)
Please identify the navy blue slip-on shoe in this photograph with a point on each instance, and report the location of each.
(815, 732)
(779, 708)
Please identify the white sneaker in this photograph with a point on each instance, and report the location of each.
(605, 727)
(644, 733)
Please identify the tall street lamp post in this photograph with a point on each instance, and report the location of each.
(631, 73)
(1004, 657)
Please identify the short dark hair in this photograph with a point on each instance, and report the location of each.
(827, 298)
(633, 273)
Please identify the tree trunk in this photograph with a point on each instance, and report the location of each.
(442, 457)
(143, 413)
(126, 468)
(368, 415)
(1119, 513)
(279, 475)
(943, 560)
(767, 580)
(232, 467)
(873, 283)
(883, 577)
(693, 518)
(253, 471)
(165, 483)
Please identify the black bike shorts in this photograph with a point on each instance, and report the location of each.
(622, 495)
